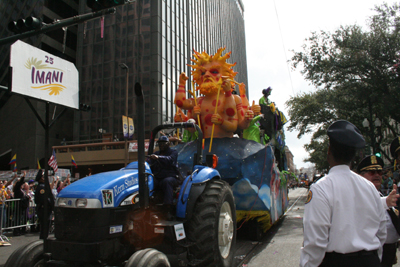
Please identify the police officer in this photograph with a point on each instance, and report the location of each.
(40, 198)
(371, 168)
(344, 219)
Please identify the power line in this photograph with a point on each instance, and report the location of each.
(283, 45)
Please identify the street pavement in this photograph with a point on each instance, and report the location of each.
(16, 242)
(279, 248)
(282, 247)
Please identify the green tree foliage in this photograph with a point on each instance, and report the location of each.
(356, 76)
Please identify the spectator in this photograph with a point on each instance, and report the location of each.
(3, 198)
(20, 209)
(54, 185)
(62, 185)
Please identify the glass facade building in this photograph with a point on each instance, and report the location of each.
(155, 39)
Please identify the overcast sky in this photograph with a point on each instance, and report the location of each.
(273, 29)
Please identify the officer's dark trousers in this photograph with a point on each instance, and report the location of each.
(355, 259)
(168, 186)
(43, 228)
(388, 255)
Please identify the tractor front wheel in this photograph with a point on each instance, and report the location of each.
(213, 226)
(148, 258)
(29, 255)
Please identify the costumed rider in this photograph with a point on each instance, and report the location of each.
(164, 165)
(190, 134)
(371, 168)
(264, 99)
(253, 131)
(40, 198)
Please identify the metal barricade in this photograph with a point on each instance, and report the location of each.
(13, 215)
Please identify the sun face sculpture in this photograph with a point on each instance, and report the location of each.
(217, 107)
(216, 65)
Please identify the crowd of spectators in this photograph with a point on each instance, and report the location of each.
(18, 212)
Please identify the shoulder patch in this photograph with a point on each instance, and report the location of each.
(309, 196)
(42, 191)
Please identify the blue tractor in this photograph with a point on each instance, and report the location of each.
(114, 218)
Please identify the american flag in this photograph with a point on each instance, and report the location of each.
(53, 161)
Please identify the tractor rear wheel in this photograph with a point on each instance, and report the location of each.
(213, 226)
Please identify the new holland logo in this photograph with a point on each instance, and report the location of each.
(108, 199)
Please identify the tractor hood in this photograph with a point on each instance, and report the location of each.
(105, 190)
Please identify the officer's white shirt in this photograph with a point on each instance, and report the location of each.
(345, 214)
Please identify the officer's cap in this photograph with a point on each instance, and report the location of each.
(395, 146)
(163, 138)
(370, 163)
(345, 133)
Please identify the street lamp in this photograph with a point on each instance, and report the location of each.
(125, 67)
(377, 124)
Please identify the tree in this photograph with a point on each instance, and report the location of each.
(356, 76)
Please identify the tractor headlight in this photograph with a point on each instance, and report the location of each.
(81, 203)
(62, 202)
(132, 199)
(85, 203)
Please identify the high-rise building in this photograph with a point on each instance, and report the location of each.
(154, 39)
(20, 131)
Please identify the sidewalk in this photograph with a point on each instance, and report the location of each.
(16, 242)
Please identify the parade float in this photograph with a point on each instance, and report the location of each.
(251, 168)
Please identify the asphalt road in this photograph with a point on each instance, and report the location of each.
(280, 247)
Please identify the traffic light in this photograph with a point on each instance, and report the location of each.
(96, 5)
(24, 25)
(378, 154)
(84, 107)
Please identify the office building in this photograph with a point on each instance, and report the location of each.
(153, 38)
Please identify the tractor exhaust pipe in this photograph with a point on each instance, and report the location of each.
(143, 183)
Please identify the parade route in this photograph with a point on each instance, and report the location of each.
(280, 247)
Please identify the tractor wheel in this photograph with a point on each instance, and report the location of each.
(213, 226)
(148, 258)
(29, 255)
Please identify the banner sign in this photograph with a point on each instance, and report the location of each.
(125, 126)
(43, 76)
(131, 128)
(133, 146)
